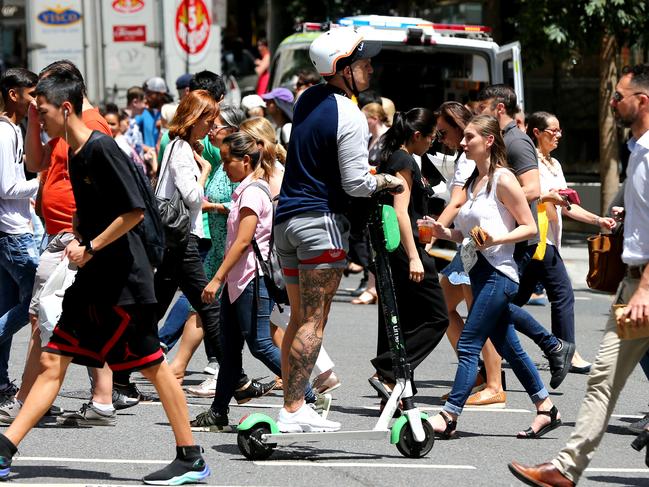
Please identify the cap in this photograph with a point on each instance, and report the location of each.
(156, 84)
(283, 94)
(283, 98)
(252, 101)
(183, 81)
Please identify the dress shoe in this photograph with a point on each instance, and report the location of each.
(560, 363)
(543, 475)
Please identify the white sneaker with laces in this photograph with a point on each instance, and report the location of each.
(303, 420)
(207, 388)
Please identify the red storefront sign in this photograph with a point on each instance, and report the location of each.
(129, 33)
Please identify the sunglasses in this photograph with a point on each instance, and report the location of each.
(618, 97)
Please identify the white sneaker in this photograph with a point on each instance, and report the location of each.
(212, 368)
(304, 419)
(207, 388)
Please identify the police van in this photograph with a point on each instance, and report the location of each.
(421, 64)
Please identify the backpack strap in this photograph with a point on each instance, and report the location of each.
(255, 246)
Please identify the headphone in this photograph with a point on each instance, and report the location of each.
(65, 113)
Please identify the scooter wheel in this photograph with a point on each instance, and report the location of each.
(410, 448)
(251, 446)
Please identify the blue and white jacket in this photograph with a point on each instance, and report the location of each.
(326, 161)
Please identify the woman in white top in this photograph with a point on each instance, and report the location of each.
(183, 169)
(544, 129)
(452, 119)
(496, 203)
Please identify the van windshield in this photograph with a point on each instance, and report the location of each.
(409, 75)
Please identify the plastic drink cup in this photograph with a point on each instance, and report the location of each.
(425, 228)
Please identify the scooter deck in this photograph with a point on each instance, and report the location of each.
(286, 438)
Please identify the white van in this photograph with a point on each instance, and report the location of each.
(421, 63)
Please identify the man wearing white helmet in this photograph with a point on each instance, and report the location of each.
(326, 164)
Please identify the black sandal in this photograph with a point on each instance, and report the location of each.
(381, 387)
(451, 426)
(554, 423)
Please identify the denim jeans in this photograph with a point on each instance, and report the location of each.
(529, 272)
(490, 318)
(172, 329)
(18, 263)
(246, 320)
(552, 273)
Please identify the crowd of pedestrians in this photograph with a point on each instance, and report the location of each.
(278, 175)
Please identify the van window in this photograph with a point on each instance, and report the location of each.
(409, 75)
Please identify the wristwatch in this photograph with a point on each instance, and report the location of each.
(88, 245)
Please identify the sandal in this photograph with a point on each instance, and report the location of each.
(381, 387)
(367, 297)
(451, 426)
(554, 423)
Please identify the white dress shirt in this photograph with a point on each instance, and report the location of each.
(636, 203)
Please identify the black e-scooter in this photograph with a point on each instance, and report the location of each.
(258, 434)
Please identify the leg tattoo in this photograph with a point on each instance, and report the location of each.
(317, 289)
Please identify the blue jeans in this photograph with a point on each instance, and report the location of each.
(172, 329)
(246, 320)
(490, 318)
(18, 263)
(557, 284)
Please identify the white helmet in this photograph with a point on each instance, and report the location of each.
(340, 43)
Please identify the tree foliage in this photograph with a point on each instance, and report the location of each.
(563, 28)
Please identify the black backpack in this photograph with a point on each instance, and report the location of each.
(270, 267)
(150, 229)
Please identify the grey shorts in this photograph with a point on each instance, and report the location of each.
(49, 260)
(312, 241)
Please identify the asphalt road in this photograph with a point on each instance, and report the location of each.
(142, 442)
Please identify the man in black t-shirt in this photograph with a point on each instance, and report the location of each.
(500, 102)
(109, 311)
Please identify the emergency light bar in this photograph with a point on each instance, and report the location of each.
(386, 22)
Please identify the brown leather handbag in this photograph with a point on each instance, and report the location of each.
(605, 267)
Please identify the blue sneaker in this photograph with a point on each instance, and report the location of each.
(188, 467)
(5, 467)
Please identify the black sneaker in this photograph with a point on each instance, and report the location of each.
(211, 421)
(252, 390)
(122, 401)
(7, 391)
(560, 361)
(130, 390)
(188, 467)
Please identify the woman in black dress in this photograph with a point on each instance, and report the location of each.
(422, 311)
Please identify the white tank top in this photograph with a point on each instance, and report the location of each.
(486, 210)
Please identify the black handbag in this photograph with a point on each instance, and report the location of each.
(174, 214)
